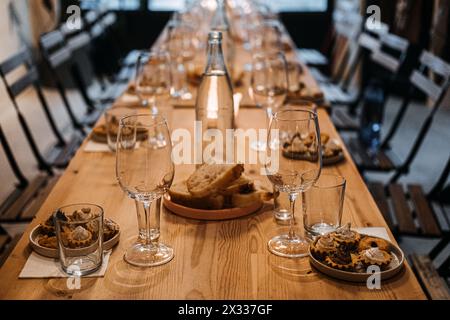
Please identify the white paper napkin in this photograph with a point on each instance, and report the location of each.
(92, 146)
(38, 266)
(375, 232)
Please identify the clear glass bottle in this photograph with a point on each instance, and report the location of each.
(214, 105)
(220, 23)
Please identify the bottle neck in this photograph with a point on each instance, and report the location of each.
(215, 63)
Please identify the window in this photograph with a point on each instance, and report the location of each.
(299, 5)
(110, 4)
(176, 5)
(165, 5)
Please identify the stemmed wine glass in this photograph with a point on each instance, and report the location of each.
(272, 34)
(290, 173)
(153, 78)
(145, 171)
(269, 86)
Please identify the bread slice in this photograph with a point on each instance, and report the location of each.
(241, 185)
(209, 179)
(180, 194)
(242, 200)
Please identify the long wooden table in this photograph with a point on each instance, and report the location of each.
(213, 260)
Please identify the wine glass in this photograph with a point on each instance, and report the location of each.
(290, 173)
(269, 86)
(153, 78)
(272, 34)
(145, 171)
(181, 49)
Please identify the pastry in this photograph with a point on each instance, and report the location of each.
(110, 229)
(79, 238)
(375, 256)
(48, 242)
(82, 214)
(368, 242)
(48, 226)
(346, 237)
(323, 246)
(342, 260)
(304, 148)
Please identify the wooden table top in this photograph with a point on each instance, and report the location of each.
(213, 260)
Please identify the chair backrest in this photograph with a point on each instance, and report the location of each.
(437, 189)
(437, 67)
(16, 87)
(391, 52)
(54, 49)
(56, 52)
(365, 43)
(377, 30)
(22, 180)
(433, 79)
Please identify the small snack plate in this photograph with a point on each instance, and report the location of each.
(396, 265)
(326, 161)
(53, 253)
(202, 214)
(333, 160)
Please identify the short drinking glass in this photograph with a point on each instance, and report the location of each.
(323, 204)
(79, 230)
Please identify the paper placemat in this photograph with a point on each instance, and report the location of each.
(38, 266)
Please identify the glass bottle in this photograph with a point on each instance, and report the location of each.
(214, 105)
(220, 23)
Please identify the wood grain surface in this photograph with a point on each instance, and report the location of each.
(213, 259)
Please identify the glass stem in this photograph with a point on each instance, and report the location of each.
(292, 198)
(154, 109)
(149, 224)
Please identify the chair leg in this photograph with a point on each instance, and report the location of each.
(444, 269)
(439, 247)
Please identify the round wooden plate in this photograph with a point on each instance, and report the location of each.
(398, 259)
(201, 214)
(53, 253)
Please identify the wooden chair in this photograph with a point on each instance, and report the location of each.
(385, 160)
(57, 53)
(28, 195)
(415, 214)
(387, 55)
(62, 151)
(432, 283)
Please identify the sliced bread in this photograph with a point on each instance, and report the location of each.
(180, 194)
(209, 179)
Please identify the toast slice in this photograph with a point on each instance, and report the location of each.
(209, 179)
(242, 200)
(241, 185)
(180, 194)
